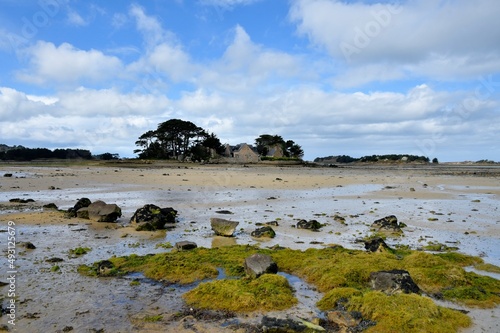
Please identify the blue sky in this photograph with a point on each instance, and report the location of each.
(337, 77)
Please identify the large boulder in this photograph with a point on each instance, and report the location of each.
(100, 211)
(223, 227)
(151, 217)
(393, 281)
(258, 264)
(389, 223)
(310, 225)
(267, 232)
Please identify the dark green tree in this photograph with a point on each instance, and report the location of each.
(178, 139)
(265, 142)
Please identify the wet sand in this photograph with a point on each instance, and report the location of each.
(463, 200)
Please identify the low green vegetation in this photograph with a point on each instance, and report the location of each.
(268, 292)
(79, 251)
(153, 319)
(407, 313)
(342, 275)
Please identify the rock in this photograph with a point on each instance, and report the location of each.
(83, 213)
(145, 226)
(185, 245)
(258, 264)
(376, 245)
(27, 245)
(151, 217)
(343, 319)
(50, 206)
(223, 227)
(81, 203)
(393, 281)
(388, 223)
(227, 212)
(263, 232)
(7, 175)
(104, 267)
(101, 212)
(310, 225)
(53, 260)
(288, 325)
(273, 223)
(23, 201)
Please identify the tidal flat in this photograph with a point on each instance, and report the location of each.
(444, 208)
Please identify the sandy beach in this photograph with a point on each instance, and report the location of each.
(454, 205)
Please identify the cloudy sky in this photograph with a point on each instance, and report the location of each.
(347, 77)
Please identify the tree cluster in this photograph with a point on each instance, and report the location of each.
(374, 158)
(20, 153)
(266, 142)
(178, 139)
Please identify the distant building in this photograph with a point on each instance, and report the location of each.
(242, 153)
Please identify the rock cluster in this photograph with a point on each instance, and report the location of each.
(98, 211)
(389, 223)
(151, 217)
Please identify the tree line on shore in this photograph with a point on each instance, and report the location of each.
(374, 158)
(20, 153)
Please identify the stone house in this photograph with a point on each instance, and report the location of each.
(242, 153)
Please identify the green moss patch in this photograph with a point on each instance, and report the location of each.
(407, 313)
(268, 292)
(79, 251)
(342, 275)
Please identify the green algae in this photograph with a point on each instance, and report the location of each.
(340, 274)
(268, 292)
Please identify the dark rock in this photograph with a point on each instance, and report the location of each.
(388, 223)
(263, 232)
(394, 281)
(7, 175)
(50, 206)
(223, 227)
(310, 225)
(185, 245)
(81, 203)
(258, 264)
(23, 201)
(27, 245)
(104, 267)
(153, 215)
(145, 226)
(273, 223)
(228, 212)
(376, 245)
(53, 260)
